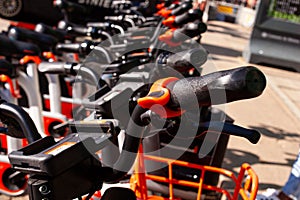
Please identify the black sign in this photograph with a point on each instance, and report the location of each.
(285, 9)
(275, 38)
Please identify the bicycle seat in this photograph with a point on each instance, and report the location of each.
(7, 68)
(45, 29)
(17, 49)
(45, 42)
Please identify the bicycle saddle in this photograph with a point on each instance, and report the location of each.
(45, 42)
(17, 49)
(60, 35)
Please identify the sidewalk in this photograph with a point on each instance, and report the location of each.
(275, 114)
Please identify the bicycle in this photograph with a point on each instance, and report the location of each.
(52, 163)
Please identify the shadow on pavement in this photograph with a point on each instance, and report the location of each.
(228, 31)
(277, 133)
(221, 26)
(233, 34)
(235, 158)
(222, 50)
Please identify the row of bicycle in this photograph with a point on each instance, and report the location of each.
(96, 92)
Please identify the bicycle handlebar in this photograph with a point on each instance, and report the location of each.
(190, 16)
(182, 8)
(176, 11)
(88, 74)
(240, 83)
(212, 89)
(85, 48)
(195, 57)
(189, 30)
(235, 84)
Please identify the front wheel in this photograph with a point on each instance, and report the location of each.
(10, 8)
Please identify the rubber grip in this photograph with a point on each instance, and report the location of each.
(190, 16)
(217, 88)
(182, 8)
(172, 6)
(195, 57)
(189, 30)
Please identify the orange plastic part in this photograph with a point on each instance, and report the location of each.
(161, 11)
(169, 22)
(158, 97)
(49, 55)
(166, 13)
(167, 38)
(29, 59)
(14, 88)
(160, 6)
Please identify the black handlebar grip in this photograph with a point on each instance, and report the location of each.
(217, 88)
(189, 30)
(190, 16)
(172, 6)
(182, 8)
(195, 57)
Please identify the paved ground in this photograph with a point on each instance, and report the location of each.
(276, 113)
